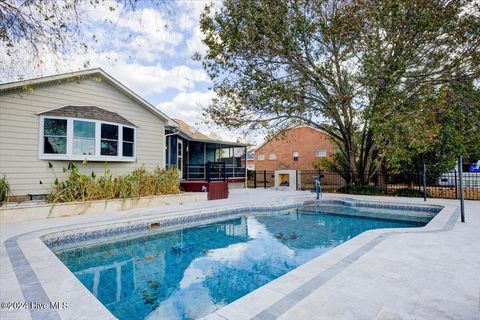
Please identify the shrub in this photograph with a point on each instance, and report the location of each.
(4, 189)
(361, 189)
(408, 192)
(140, 183)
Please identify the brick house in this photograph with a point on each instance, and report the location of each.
(297, 148)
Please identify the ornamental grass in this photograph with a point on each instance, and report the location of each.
(78, 186)
(4, 189)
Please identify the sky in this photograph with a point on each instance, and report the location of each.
(150, 51)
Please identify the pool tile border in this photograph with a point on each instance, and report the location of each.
(63, 238)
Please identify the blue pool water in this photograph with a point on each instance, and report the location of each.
(189, 273)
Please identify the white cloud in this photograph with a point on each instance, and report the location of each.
(147, 80)
(143, 79)
(188, 106)
(144, 41)
(190, 12)
(146, 34)
(194, 44)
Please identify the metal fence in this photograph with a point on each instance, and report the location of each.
(405, 184)
(212, 171)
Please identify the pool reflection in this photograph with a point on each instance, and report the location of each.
(189, 273)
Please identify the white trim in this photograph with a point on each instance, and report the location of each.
(180, 157)
(97, 157)
(164, 150)
(320, 153)
(295, 154)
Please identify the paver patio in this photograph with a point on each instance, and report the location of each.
(429, 274)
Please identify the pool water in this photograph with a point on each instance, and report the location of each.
(189, 273)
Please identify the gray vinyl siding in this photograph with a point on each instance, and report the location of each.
(19, 132)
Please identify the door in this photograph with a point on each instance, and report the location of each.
(180, 157)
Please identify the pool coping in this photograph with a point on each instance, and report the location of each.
(38, 270)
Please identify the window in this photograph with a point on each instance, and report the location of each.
(55, 136)
(272, 156)
(83, 137)
(320, 153)
(295, 156)
(65, 138)
(128, 141)
(261, 157)
(109, 142)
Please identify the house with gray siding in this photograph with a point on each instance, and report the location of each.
(85, 116)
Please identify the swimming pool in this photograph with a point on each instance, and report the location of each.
(188, 273)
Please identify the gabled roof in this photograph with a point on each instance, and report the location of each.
(78, 75)
(87, 112)
(284, 130)
(192, 134)
(189, 131)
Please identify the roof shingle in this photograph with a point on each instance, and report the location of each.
(88, 112)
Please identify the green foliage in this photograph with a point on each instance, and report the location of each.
(370, 190)
(140, 183)
(371, 71)
(409, 192)
(447, 123)
(373, 190)
(4, 189)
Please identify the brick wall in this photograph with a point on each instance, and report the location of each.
(304, 140)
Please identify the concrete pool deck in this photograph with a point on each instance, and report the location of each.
(429, 273)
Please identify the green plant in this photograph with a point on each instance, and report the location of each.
(290, 64)
(4, 189)
(140, 182)
(361, 189)
(408, 192)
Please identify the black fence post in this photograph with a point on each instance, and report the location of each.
(462, 200)
(224, 168)
(207, 170)
(265, 179)
(255, 179)
(424, 176)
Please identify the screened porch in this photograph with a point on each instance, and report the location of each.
(202, 160)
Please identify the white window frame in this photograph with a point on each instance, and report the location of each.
(97, 157)
(261, 157)
(322, 151)
(295, 154)
(272, 156)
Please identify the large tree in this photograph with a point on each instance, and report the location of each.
(347, 66)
